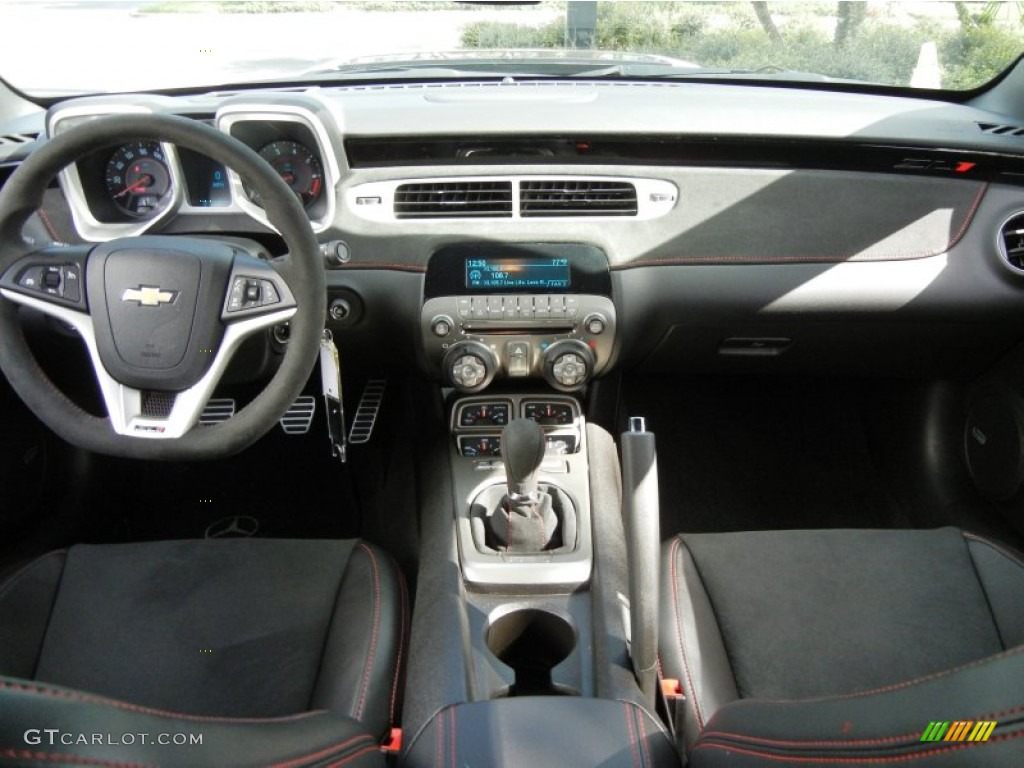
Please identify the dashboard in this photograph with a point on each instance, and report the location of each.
(483, 233)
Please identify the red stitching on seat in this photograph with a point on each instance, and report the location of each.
(454, 742)
(440, 738)
(640, 714)
(676, 542)
(54, 757)
(850, 742)
(353, 756)
(401, 643)
(863, 760)
(373, 636)
(89, 699)
(297, 761)
(632, 734)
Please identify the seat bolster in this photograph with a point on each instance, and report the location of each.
(534, 731)
(370, 623)
(26, 599)
(878, 726)
(691, 646)
(46, 724)
(1001, 573)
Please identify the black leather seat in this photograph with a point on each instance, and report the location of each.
(840, 647)
(272, 650)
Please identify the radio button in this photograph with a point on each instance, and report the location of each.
(465, 308)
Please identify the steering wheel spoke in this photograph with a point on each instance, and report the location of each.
(157, 414)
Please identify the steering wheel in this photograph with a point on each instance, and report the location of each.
(160, 316)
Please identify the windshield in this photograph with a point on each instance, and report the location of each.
(61, 47)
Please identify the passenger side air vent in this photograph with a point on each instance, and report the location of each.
(997, 129)
(1011, 242)
(587, 197)
(454, 199)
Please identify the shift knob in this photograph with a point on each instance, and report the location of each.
(522, 448)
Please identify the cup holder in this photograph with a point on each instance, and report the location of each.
(532, 642)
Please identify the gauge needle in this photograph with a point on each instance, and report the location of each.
(145, 181)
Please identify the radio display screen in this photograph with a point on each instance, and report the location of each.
(518, 273)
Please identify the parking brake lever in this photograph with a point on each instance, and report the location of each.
(643, 539)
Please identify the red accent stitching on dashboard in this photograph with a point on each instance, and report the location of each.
(373, 636)
(89, 699)
(679, 631)
(853, 258)
(46, 222)
(384, 265)
(864, 760)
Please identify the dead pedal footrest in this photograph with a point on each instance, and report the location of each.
(366, 412)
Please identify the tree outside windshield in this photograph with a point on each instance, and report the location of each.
(56, 47)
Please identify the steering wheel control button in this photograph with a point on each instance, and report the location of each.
(72, 277)
(252, 293)
(32, 278)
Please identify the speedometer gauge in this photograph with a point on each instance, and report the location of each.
(138, 180)
(298, 166)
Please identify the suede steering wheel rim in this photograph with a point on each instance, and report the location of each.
(300, 273)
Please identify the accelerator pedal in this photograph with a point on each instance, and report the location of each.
(217, 410)
(299, 416)
(366, 412)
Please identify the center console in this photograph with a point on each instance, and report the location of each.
(534, 644)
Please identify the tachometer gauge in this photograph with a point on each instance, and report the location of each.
(298, 166)
(138, 179)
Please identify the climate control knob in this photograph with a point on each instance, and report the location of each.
(469, 366)
(568, 365)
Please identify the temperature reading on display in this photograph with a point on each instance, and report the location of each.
(518, 273)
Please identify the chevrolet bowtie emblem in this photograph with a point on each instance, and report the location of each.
(148, 296)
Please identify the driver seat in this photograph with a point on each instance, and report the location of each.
(270, 651)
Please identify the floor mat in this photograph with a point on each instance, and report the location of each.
(754, 454)
(290, 486)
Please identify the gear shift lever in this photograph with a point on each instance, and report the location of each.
(526, 518)
(522, 448)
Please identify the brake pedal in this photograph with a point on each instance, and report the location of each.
(299, 416)
(366, 412)
(217, 410)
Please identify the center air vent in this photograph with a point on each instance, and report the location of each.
(457, 199)
(1011, 242)
(584, 197)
